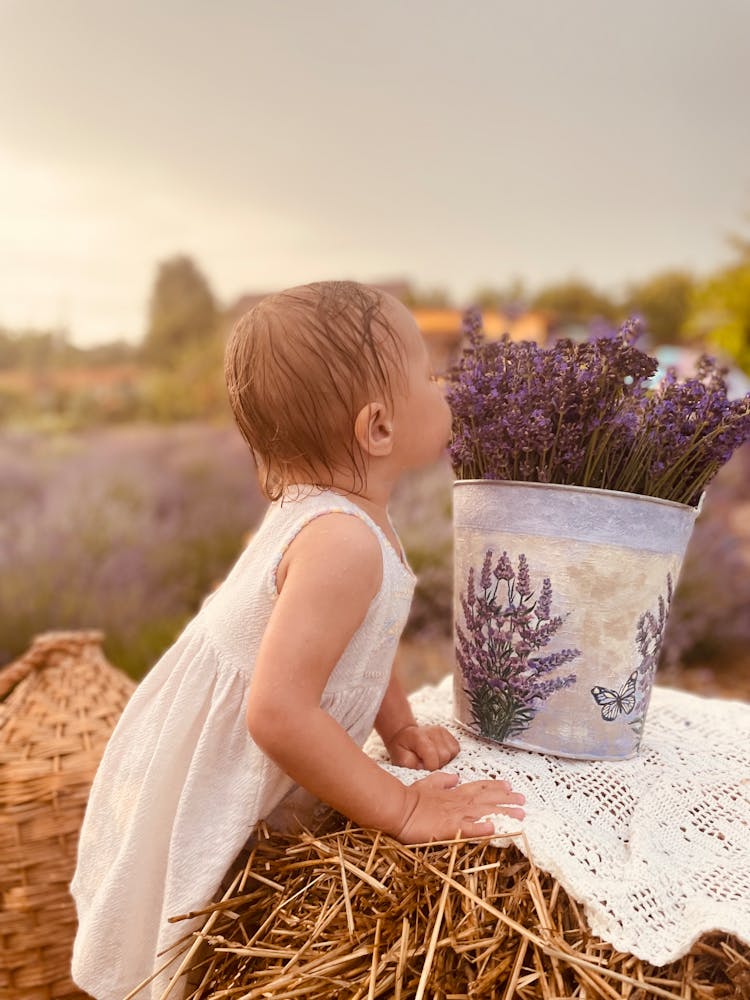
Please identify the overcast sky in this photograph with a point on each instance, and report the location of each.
(449, 142)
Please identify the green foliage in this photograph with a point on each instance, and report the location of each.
(12, 404)
(664, 301)
(182, 312)
(433, 298)
(135, 653)
(720, 306)
(574, 301)
(47, 349)
(422, 512)
(114, 352)
(193, 386)
(512, 294)
(721, 313)
(52, 385)
(38, 349)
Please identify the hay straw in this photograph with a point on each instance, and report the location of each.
(360, 915)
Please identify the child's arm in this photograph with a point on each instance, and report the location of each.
(409, 744)
(333, 571)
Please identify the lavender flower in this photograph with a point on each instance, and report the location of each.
(506, 684)
(584, 414)
(648, 639)
(504, 568)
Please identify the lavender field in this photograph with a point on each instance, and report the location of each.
(127, 528)
(122, 529)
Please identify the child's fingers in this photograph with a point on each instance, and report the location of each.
(429, 752)
(510, 811)
(448, 746)
(443, 736)
(406, 758)
(490, 801)
(440, 779)
(437, 748)
(505, 789)
(470, 828)
(498, 791)
(434, 746)
(442, 807)
(493, 785)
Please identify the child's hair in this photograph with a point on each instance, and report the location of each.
(299, 366)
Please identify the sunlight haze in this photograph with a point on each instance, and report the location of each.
(451, 145)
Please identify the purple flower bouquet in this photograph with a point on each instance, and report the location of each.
(583, 414)
(573, 470)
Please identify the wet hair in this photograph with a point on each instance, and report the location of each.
(299, 366)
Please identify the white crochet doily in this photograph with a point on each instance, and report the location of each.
(656, 848)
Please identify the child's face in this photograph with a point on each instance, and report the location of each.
(422, 419)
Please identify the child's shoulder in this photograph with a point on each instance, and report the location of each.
(335, 543)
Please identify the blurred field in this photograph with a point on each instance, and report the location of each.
(123, 529)
(127, 528)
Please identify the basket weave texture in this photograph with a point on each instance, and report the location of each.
(58, 706)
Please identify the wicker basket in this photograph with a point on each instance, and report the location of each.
(58, 706)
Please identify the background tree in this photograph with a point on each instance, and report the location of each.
(574, 301)
(39, 350)
(184, 346)
(182, 312)
(720, 311)
(192, 388)
(664, 301)
(434, 298)
(509, 298)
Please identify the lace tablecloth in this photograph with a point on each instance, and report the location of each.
(656, 848)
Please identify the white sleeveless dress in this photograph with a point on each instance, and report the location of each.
(181, 783)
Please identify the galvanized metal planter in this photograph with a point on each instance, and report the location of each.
(561, 596)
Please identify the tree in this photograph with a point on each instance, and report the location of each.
(720, 308)
(435, 298)
(574, 301)
(508, 298)
(182, 312)
(36, 349)
(192, 388)
(664, 301)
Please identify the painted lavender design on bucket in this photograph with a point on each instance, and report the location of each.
(648, 639)
(505, 681)
(633, 697)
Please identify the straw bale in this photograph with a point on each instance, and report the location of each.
(347, 912)
(58, 705)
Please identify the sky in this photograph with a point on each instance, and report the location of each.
(449, 143)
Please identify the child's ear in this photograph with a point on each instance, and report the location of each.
(373, 429)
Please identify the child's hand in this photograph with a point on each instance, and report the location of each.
(438, 808)
(422, 747)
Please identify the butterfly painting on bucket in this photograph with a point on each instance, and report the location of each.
(614, 703)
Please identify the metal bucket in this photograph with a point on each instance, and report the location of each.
(561, 596)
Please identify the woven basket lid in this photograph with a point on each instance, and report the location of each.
(58, 706)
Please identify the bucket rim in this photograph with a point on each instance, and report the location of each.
(570, 488)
